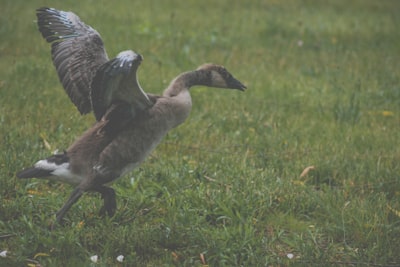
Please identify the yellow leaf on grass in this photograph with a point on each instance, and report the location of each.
(296, 182)
(306, 171)
(80, 225)
(393, 210)
(387, 113)
(41, 254)
(45, 142)
(34, 192)
(203, 259)
(175, 256)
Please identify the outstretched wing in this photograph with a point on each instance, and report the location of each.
(116, 119)
(77, 51)
(116, 81)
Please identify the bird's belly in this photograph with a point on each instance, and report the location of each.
(129, 167)
(66, 176)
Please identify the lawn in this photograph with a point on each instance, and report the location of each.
(301, 169)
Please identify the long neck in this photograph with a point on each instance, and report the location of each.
(186, 80)
(177, 97)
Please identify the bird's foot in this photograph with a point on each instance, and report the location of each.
(110, 202)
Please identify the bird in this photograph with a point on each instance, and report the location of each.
(129, 122)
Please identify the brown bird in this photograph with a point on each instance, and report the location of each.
(129, 122)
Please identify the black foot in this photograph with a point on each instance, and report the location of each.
(75, 195)
(110, 202)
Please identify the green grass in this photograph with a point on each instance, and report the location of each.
(324, 91)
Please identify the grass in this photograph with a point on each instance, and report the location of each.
(224, 189)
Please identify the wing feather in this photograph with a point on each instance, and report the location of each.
(77, 52)
(116, 81)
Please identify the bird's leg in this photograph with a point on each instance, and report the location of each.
(75, 195)
(110, 202)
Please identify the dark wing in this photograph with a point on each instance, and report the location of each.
(115, 82)
(115, 120)
(77, 51)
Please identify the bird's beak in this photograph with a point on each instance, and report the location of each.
(236, 84)
(137, 58)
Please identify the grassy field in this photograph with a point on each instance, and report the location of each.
(227, 188)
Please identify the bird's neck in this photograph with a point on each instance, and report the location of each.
(185, 81)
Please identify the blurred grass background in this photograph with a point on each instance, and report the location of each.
(225, 188)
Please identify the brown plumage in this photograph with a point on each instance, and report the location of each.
(130, 123)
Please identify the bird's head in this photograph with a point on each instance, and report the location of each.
(129, 60)
(218, 76)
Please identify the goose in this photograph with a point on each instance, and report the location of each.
(129, 122)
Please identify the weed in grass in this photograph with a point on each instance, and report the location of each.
(349, 112)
